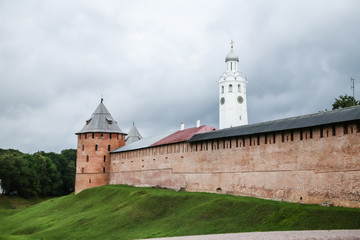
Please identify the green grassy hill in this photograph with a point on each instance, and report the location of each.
(122, 212)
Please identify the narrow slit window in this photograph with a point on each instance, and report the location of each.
(87, 158)
(108, 147)
(230, 88)
(345, 128)
(239, 89)
(96, 147)
(93, 135)
(104, 158)
(321, 132)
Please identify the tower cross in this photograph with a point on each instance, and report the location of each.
(232, 43)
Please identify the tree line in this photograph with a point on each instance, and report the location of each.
(39, 174)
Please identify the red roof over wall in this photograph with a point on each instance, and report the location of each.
(183, 135)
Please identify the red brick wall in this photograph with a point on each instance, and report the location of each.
(90, 162)
(311, 170)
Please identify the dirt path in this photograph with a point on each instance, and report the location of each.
(293, 235)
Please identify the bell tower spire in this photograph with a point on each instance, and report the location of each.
(232, 93)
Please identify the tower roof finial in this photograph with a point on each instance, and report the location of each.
(232, 43)
(102, 99)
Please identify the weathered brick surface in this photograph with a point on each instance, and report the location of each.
(311, 170)
(92, 169)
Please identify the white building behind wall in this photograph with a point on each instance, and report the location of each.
(232, 94)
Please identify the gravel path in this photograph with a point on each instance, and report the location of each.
(293, 235)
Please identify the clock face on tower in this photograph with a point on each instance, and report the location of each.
(240, 99)
(222, 100)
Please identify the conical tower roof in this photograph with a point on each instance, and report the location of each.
(101, 121)
(133, 135)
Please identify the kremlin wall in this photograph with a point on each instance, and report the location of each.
(312, 159)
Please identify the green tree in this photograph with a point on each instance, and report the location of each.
(16, 175)
(345, 101)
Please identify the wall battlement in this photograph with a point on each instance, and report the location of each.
(307, 165)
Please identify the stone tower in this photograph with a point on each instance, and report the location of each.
(232, 94)
(97, 138)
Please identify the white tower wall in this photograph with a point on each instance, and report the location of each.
(232, 94)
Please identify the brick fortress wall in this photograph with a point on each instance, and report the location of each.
(310, 165)
(93, 158)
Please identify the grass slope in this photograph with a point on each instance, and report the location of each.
(122, 212)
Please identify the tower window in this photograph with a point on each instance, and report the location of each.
(101, 135)
(82, 170)
(96, 147)
(230, 88)
(109, 148)
(104, 158)
(93, 135)
(83, 147)
(239, 90)
(110, 135)
(104, 170)
(222, 89)
(85, 135)
(89, 180)
(87, 158)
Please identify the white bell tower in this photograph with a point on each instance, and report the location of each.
(232, 94)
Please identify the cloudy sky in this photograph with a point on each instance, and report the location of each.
(157, 62)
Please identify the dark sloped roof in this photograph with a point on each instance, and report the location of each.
(101, 121)
(183, 135)
(310, 120)
(143, 143)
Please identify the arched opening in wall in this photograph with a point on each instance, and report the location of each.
(101, 135)
(222, 89)
(89, 180)
(82, 170)
(219, 190)
(104, 170)
(333, 130)
(108, 147)
(230, 88)
(96, 147)
(230, 65)
(87, 158)
(104, 158)
(239, 89)
(93, 135)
